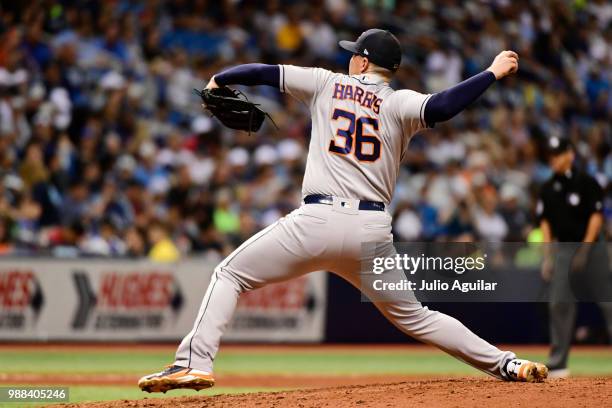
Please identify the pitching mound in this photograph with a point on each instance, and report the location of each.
(460, 392)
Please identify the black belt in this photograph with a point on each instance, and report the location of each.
(328, 200)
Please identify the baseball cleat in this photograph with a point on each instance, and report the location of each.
(527, 371)
(175, 377)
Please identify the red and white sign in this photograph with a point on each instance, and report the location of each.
(287, 311)
(51, 299)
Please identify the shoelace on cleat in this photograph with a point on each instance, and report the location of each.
(171, 368)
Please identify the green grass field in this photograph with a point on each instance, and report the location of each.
(257, 361)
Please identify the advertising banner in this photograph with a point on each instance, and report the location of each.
(123, 300)
(290, 311)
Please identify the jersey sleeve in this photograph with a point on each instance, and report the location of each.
(594, 196)
(543, 205)
(541, 210)
(303, 83)
(408, 107)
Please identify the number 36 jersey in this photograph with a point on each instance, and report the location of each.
(360, 131)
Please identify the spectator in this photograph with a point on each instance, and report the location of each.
(514, 216)
(6, 244)
(490, 225)
(100, 136)
(134, 243)
(162, 247)
(406, 224)
(460, 227)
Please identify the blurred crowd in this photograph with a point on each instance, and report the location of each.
(105, 151)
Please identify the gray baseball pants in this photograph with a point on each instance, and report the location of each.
(324, 237)
(562, 306)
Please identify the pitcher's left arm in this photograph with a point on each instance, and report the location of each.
(444, 105)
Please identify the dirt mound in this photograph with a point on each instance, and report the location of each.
(460, 392)
(226, 380)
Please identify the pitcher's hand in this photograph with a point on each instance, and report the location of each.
(504, 64)
(212, 84)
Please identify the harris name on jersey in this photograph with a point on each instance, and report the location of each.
(355, 93)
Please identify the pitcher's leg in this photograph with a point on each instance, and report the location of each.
(448, 334)
(274, 254)
(198, 348)
(428, 326)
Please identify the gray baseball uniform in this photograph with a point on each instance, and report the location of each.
(360, 131)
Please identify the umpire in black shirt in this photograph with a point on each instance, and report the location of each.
(570, 211)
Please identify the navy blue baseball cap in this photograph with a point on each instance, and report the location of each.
(379, 46)
(558, 144)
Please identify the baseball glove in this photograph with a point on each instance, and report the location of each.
(233, 109)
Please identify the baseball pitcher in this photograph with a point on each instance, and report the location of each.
(360, 132)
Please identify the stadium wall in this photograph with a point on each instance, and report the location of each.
(46, 299)
(129, 300)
